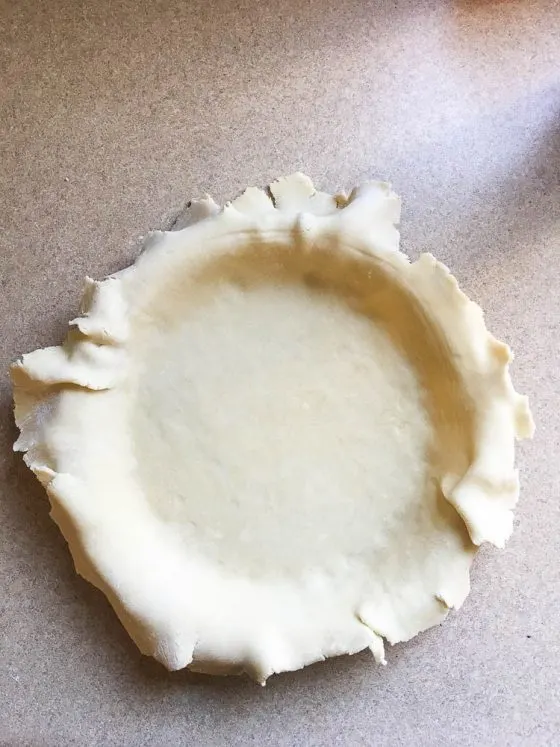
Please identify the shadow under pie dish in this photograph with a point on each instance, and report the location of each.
(273, 438)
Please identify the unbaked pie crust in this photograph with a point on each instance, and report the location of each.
(273, 439)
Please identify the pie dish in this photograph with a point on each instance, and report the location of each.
(274, 439)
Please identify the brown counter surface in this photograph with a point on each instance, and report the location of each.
(112, 116)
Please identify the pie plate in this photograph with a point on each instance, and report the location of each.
(274, 439)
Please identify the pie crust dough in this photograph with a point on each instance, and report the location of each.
(273, 439)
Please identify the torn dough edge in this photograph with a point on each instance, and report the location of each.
(94, 354)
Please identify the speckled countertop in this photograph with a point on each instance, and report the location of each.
(112, 116)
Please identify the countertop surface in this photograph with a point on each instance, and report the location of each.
(112, 116)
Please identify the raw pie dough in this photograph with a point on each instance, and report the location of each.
(273, 439)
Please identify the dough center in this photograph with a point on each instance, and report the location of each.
(277, 429)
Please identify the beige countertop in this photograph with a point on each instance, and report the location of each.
(112, 116)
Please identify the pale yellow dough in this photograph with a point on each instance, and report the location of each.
(273, 439)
